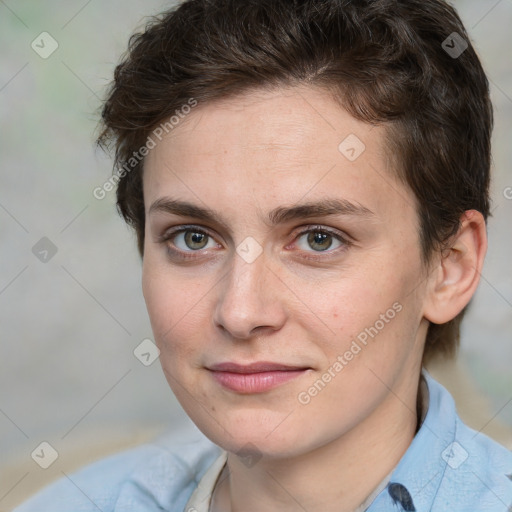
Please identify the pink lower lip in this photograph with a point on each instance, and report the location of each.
(255, 382)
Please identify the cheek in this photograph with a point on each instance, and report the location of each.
(379, 308)
(170, 303)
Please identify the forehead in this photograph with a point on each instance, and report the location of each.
(283, 121)
(274, 146)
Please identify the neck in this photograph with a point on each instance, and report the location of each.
(337, 476)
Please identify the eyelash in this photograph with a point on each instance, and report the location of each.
(188, 255)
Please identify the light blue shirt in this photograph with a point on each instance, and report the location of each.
(447, 468)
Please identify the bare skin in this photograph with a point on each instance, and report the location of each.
(316, 284)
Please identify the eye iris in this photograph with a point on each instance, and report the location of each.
(193, 239)
(317, 238)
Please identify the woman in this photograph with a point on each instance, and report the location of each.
(308, 182)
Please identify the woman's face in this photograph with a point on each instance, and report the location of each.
(282, 271)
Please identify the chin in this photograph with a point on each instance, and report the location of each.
(253, 433)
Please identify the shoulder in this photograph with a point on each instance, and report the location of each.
(476, 465)
(449, 466)
(160, 475)
(480, 466)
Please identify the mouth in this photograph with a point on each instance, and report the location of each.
(255, 377)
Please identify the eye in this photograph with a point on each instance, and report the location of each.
(188, 239)
(320, 240)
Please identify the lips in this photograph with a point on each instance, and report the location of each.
(258, 367)
(255, 377)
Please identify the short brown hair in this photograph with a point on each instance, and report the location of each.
(386, 61)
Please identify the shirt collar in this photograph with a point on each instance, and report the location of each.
(418, 475)
(200, 499)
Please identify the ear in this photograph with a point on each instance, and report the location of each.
(456, 273)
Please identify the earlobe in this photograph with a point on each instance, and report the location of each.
(457, 275)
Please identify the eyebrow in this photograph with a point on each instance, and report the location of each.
(279, 215)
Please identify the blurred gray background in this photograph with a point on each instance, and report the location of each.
(69, 321)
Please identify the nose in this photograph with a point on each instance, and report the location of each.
(250, 300)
